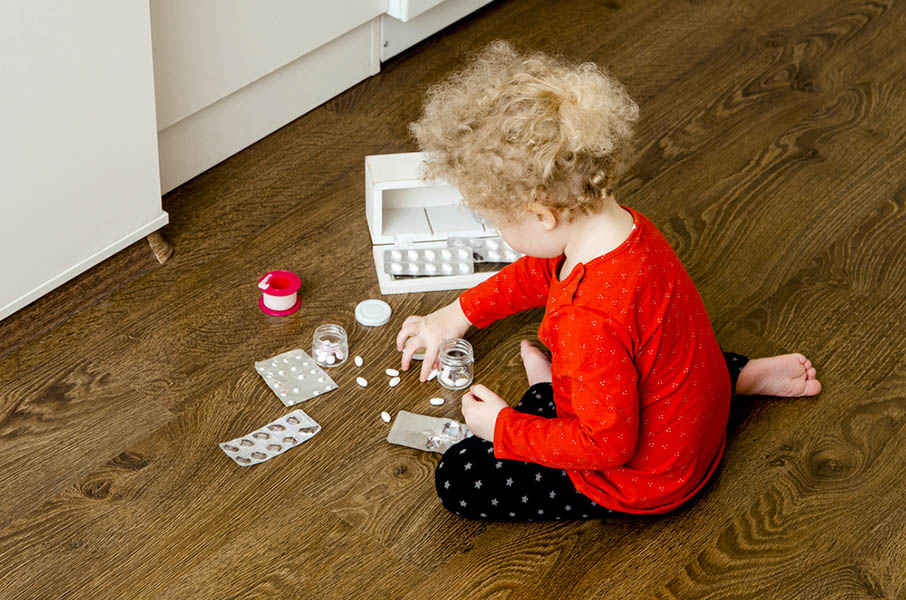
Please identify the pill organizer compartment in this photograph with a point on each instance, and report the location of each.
(405, 212)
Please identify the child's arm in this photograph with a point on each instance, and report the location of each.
(604, 396)
(519, 286)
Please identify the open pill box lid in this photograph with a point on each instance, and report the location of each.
(279, 283)
(401, 208)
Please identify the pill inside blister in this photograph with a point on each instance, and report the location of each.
(260, 435)
(276, 427)
(247, 443)
(289, 440)
(230, 448)
(292, 420)
(243, 460)
(259, 455)
(433, 442)
(308, 430)
(274, 447)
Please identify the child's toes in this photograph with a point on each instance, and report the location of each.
(812, 387)
(810, 373)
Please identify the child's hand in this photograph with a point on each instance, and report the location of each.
(429, 332)
(480, 407)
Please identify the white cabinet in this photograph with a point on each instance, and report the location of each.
(78, 146)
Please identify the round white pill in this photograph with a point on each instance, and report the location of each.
(358, 361)
(462, 381)
(330, 359)
(436, 401)
(412, 254)
(432, 374)
(361, 381)
(339, 354)
(463, 253)
(396, 254)
(413, 268)
(394, 382)
(385, 416)
(446, 254)
(429, 268)
(463, 268)
(396, 267)
(430, 254)
(392, 372)
(447, 268)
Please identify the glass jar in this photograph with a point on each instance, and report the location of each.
(329, 347)
(456, 364)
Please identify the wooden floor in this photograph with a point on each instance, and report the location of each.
(772, 155)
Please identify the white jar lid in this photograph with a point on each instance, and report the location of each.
(372, 312)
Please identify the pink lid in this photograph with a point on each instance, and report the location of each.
(279, 283)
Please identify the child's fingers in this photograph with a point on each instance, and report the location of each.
(409, 328)
(480, 392)
(409, 349)
(431, 352)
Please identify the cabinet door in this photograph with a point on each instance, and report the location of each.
(205, 50)
(78, 141)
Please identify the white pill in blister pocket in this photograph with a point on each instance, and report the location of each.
(447, 267)
(446, 254)
(396, 267)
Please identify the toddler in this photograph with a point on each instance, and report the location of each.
(629, 414)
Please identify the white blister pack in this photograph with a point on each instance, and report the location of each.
(422, 432)
(294, 376)
(274, 438)
(486, 249)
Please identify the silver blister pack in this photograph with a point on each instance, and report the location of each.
(274, 438)
(294, 376)
(422, 432)
(427, 262)
(486, 249)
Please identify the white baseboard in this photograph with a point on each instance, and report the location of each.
(203, 139)
(85, 264)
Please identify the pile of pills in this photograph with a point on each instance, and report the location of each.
(428, 261)
(487, 249)
(455, 378)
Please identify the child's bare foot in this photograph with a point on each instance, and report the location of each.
(784, 375)
(537, 366)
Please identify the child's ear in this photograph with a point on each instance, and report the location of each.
(548, 217)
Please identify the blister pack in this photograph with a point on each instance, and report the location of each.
(294, 376)
(426, 262)
(274, 438)
(422, 432)
(486, 249)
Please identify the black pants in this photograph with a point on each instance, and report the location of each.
(472, 483)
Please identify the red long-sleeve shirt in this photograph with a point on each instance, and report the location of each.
(640, 385)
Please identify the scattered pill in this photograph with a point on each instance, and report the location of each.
(385, 416)
(359, 361)
(361, 381)
(394, 382)
(436, 401)
(432, 374)
(392, 372)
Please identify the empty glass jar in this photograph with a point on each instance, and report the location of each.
(456, 364)
(329, 347)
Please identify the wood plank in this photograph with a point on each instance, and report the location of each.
(58, 422)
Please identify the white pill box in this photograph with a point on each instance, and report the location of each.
(405, 212)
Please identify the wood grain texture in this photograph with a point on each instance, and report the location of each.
(771, 154)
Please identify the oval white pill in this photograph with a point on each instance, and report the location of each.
(396, 254)
(396, 267)
(432, 374)
(462, 381)
(392, 372)
(361, 381)
(447, 267)
(429, 268)
(436, 401)
(359, 361)
(385, 416)
(463, 268)
(394, 382)
(412, 254)
(413, 267)
(446, 254)
(463, 253)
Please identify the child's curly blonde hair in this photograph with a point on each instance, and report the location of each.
(510, 129)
